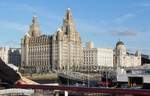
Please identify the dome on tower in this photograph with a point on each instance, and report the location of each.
(119, 43)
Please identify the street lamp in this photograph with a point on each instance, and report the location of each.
(106, 72)
(88, 76)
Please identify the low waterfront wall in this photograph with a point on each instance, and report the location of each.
(43, 78)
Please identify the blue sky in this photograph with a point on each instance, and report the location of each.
(102, 21)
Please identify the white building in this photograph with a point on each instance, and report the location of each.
(97, 56)
(4, 53)
(125, 59)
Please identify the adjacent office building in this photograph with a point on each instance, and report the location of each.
(4, 53)
(11, 55)
(125, 59)
(97, 56)
(14, 56)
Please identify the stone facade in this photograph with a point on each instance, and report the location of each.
(36, 50)
(61, 50)
(67, 46)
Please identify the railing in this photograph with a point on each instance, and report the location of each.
(142, 92)
(74, 75)
(15, 92)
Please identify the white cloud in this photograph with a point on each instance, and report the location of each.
(125, 17)
(127, 32)
(18, 7)
(13, 26)
(95, 28)
(144, 5)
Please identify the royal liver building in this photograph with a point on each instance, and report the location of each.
(62, 50)
(67, 45)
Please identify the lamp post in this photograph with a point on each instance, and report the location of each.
(88, 76)
(106, 72)
(68, 74)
